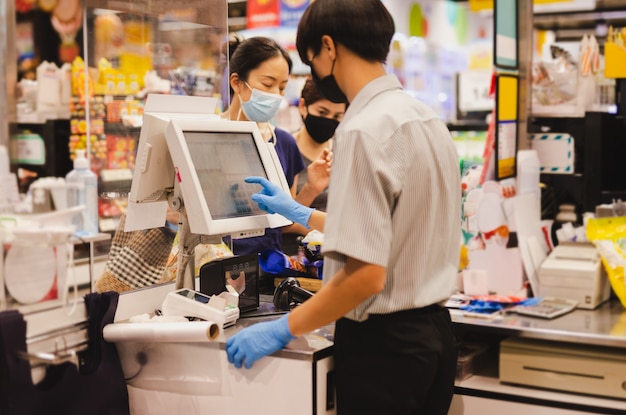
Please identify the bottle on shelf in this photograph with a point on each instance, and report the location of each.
(82, 189)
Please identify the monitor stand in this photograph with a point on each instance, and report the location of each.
(187, 241)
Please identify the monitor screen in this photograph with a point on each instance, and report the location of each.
(211, 159)
(222, 161)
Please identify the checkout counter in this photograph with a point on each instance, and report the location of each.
(190, 377)
(539, 344)
(196, 378)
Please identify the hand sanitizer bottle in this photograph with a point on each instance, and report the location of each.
(82, 188)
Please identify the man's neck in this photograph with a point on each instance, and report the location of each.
(353, 73)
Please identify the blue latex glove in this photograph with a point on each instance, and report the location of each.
(273, 199)
(257, 341)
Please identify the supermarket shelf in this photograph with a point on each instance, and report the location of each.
(468, 126)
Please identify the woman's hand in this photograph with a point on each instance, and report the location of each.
(318, 172)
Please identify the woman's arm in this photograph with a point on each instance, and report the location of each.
(317, 220)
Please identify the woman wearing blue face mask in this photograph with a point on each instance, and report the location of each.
(258, 74)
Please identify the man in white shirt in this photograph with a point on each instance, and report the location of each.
(391, 231)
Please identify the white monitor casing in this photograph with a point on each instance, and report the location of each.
(153, 174)
(200, 218)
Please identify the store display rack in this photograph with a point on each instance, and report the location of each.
(599, 147)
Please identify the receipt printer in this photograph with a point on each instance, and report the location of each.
(574, 271)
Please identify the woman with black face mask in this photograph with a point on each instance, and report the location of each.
(320, 118)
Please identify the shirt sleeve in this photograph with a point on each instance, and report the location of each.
(360, 201)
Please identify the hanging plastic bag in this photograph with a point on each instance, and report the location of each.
(609, 237)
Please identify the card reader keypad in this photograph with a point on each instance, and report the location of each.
(547, 308)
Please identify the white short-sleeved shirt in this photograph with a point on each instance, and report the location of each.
(394, 198)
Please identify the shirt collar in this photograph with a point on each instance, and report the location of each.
(368, 92)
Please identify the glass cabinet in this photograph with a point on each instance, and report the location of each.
(132, 49)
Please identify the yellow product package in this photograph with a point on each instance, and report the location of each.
(609, 237)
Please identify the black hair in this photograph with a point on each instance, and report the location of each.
(310, 94)
(365, 27)
(247, 55)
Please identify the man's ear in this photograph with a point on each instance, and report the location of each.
(329, 44)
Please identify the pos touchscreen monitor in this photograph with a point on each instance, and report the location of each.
(153, 174)
(211, 158)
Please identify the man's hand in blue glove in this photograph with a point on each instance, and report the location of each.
(273, 199)
(257, 341)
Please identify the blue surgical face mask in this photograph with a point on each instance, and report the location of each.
(262, 106)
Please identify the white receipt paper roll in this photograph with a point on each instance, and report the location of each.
(192, 331)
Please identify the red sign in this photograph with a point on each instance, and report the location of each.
(262, 13)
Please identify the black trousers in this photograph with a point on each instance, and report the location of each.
(402, 363)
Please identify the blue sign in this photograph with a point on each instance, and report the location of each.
(291, 11)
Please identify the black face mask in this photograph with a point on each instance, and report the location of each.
(319, 128)
(328, 87)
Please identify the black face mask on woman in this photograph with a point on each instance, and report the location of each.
(320, 129)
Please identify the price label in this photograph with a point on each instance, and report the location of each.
(114, 175)
(28, 149)
(473, 87)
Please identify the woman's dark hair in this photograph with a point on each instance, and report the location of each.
(247, 55)
(363, 26)
(309, 93)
